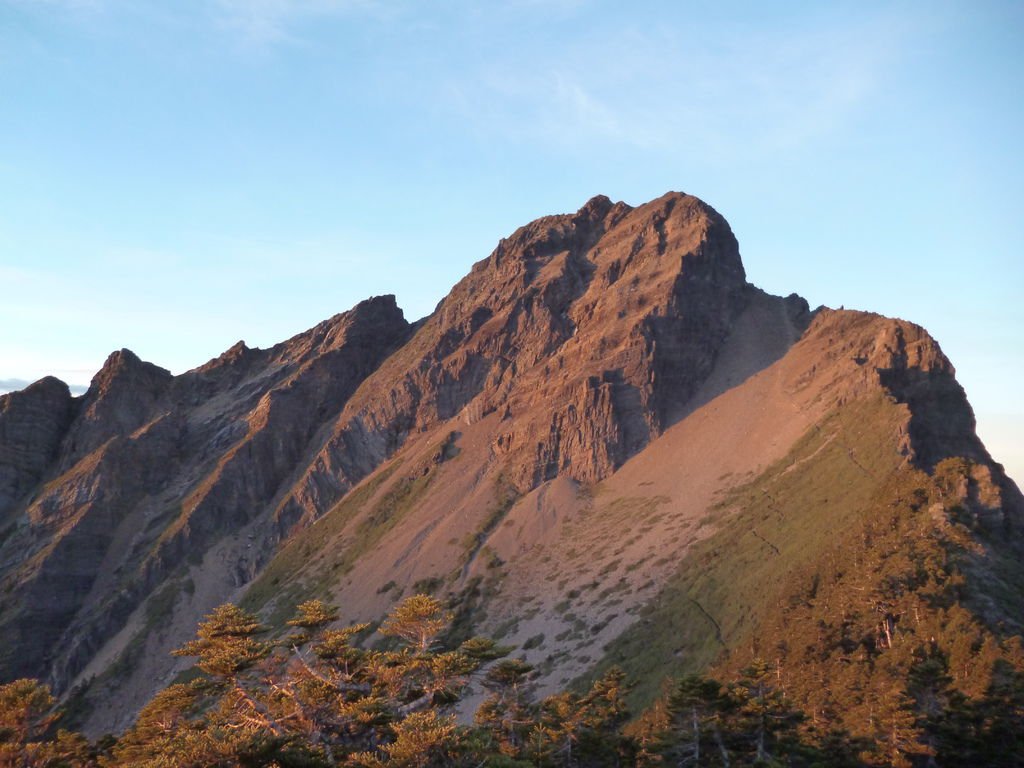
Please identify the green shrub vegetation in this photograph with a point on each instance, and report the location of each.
(316, 698)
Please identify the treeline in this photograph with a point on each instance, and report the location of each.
(316, 698)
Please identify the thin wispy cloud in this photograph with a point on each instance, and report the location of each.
(254, 23)
(63, 5)
(13, 385)
(651, 90)
(269, 22)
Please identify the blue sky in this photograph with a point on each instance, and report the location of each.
(175, 176)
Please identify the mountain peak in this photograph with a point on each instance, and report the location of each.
(122, 365)
(591, 401)
(630, 305)
(51, 385)
(596, 207)
(120, 399)
(383, 308)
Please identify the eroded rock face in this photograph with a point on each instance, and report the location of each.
(147, 471)
(580, 340)
(121, 398)
(32, 424)
(905, 361)
(588, 332)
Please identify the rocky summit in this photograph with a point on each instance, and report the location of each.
(604, 447)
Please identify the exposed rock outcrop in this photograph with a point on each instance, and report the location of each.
(587, 332)
(598, 347)
(121, 398)
(32, 424)
(152, 471)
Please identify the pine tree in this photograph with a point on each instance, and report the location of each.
(508, 713)
(1001, 717)
(602, 714)
(419, 620)
(28, 715)
(421, 740)
(897, 732)
(225, 645)
(693, 735)
(765, 723)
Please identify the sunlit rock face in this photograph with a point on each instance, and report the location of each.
(596, 385)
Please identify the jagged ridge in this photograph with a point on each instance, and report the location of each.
(562, 425)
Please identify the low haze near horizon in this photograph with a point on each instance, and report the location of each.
(178, 176)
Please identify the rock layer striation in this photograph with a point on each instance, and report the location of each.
(369, 451)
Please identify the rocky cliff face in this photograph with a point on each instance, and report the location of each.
(111, 495)
(32, 424)
(599, 381)
(586, 333)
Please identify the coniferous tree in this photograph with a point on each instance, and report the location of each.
(1000, 718)
(694, 731)
(765, 725)
(896, 729)
(508, 714)
(28, 715)
(573, 730)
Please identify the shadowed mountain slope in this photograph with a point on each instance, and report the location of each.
(141, 475)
